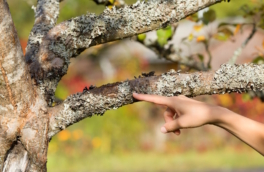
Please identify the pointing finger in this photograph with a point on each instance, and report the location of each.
(161, 100)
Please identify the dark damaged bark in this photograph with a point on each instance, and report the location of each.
(68, 39)
(228, 79)
(46, 15)
(17, 159)
(27, 123)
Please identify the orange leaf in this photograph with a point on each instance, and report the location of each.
(200, 38)
(64, 135)
(225, 100)
(237, 29)
(197, 28)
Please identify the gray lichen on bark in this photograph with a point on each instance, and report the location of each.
(166, 84)
(238, 78)
(71, 37)
(229, 78)
(89, 103)
(113, 96)
(27, 123)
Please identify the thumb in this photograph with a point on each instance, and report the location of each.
(171, 126)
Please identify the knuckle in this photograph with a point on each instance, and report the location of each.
(181, 96)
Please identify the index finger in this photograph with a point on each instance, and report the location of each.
(161, 100)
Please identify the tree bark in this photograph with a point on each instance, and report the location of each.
(68, 39)
(229, 78)
(27, 123)
(46, 15)
(15, 89)
(17, 159)
(23, 113)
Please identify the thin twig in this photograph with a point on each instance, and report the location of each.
(209, 54)
(239, 50)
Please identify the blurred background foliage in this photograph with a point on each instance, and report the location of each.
(128, 139)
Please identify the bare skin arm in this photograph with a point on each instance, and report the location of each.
(183, 112)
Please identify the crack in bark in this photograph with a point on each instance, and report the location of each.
(18, 157)
(7, 85)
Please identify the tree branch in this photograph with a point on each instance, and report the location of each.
(46, 14)
(239, 50)
(206, 44)
(172, 55)
(71, 37)
(229, 78)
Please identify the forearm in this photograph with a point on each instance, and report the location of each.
(249, 131)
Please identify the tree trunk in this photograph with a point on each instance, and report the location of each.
(27, 84)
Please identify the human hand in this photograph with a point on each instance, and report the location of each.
(182, 112)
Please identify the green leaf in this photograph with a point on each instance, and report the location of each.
(221, 37)
(258, 60)
(201, 57)
(246, 97)
(164, 35)
(225, 32)
(141, 37)
(209, 16)
(62, 91)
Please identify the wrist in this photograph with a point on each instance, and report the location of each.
(221, 116)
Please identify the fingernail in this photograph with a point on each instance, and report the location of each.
(163, 130)
(135, 93)
(177, 132)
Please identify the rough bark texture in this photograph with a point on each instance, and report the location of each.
(22, 117)
(46, 14)
(71, 37)
(17, 159)
(27, 123)
(229, 78)
(15, 79)
(15, 89)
